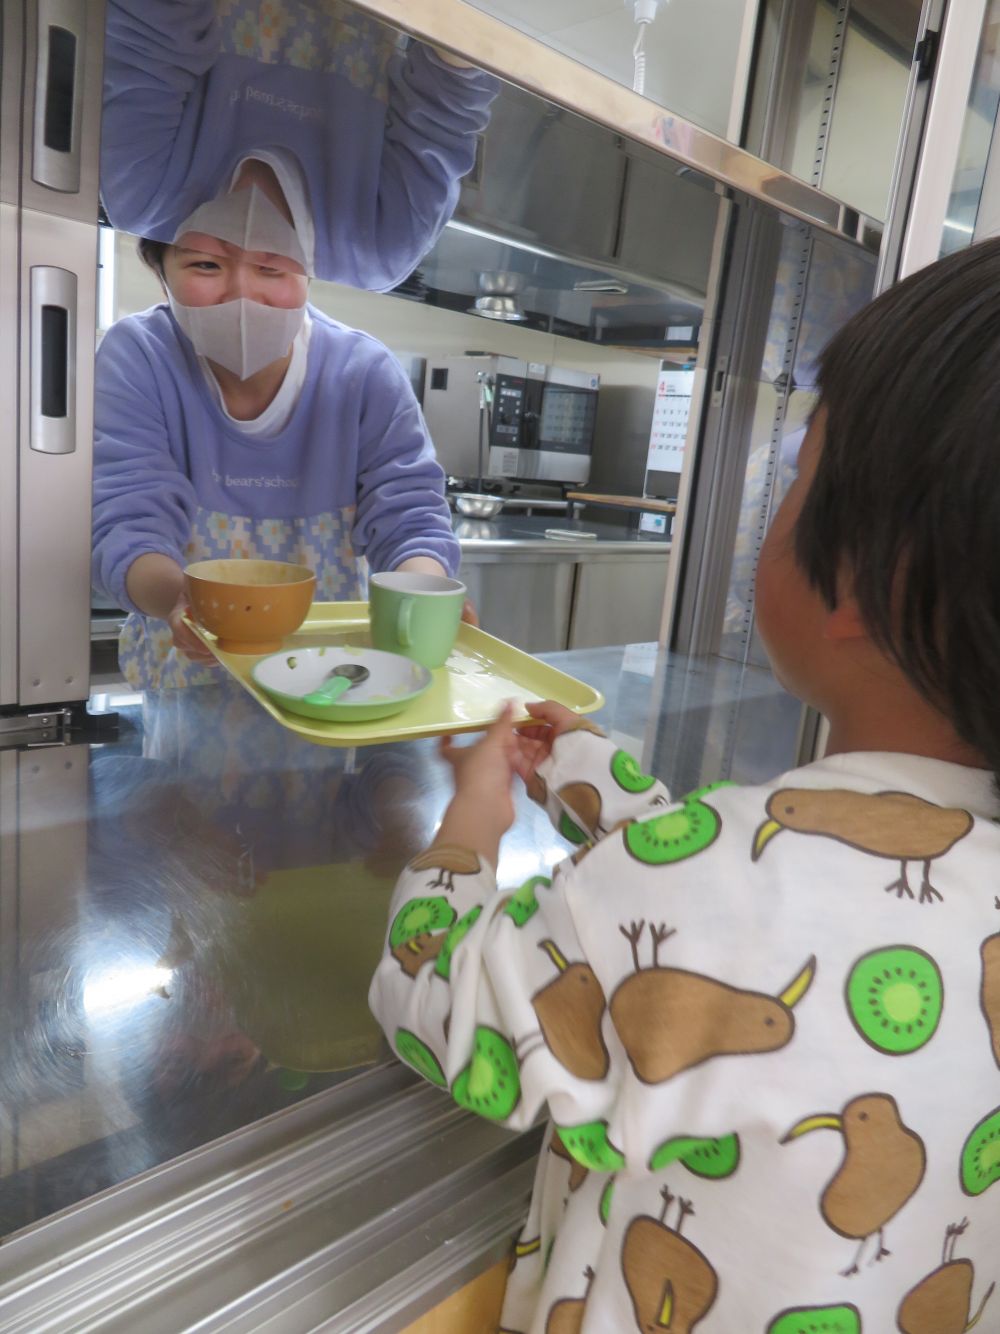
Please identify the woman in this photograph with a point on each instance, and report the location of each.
(382, 135)
(238, 421)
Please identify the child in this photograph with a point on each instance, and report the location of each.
(717, 978)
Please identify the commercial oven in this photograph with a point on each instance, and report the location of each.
(500, 417)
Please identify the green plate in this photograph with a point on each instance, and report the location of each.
(393, 682)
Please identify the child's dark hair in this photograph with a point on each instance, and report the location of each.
(905, 503)
(151, 253)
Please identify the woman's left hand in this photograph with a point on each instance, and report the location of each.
(428, 565)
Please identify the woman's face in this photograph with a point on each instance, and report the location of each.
(207, 271)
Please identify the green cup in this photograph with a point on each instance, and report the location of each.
(416, 615)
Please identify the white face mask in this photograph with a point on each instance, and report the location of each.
(244, 336)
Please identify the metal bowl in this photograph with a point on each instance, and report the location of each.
(475, 506)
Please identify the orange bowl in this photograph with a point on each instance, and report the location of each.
(249, 605)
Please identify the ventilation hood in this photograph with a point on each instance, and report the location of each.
(567, 227)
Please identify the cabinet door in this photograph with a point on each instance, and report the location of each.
(619, 602)
(525, 602)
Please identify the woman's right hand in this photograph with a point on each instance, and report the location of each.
(155, 583)
(185, 639)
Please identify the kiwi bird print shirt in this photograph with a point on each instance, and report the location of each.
(765, 1025)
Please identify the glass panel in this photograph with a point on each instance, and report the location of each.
(974, 206)
(828, 104)
(188, 930)
(691, 52)
(209, 928)
(789, 292)
(191, 924)
(819, 286)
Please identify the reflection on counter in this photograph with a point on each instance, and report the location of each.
(188, 930)
(190, 914)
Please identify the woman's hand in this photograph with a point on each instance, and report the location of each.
(155, 583)
(428, 565)
(482, 809)
(185, 639)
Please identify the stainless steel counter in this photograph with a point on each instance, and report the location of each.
(514, 534)
(197, 1113)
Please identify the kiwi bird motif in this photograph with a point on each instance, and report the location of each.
(577, 1172)
(448, 861)
(671, 1283)
(566, 1315)
(583, 802)
(882, 1166)
(894, 825)
(670, 1019)
(989, 994)
(523, 1248)
(535, 784)
(941, 1303)
(570, 1010)
(418, 950)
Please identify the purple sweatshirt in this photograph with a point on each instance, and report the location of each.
(351, 475)
(383, 137)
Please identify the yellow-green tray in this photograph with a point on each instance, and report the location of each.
(467, 693)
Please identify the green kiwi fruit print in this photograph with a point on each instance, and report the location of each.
(490, 1084)
(895, 998)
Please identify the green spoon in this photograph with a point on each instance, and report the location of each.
(337, 683)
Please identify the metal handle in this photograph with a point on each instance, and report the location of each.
(61, 39)
(53, 360)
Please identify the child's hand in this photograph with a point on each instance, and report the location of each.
(535, 740)
(485, 770)
(483, 808)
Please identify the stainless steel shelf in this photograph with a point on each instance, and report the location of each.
(528, 63)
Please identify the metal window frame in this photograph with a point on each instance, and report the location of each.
(961, 32)
(296, 1223)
